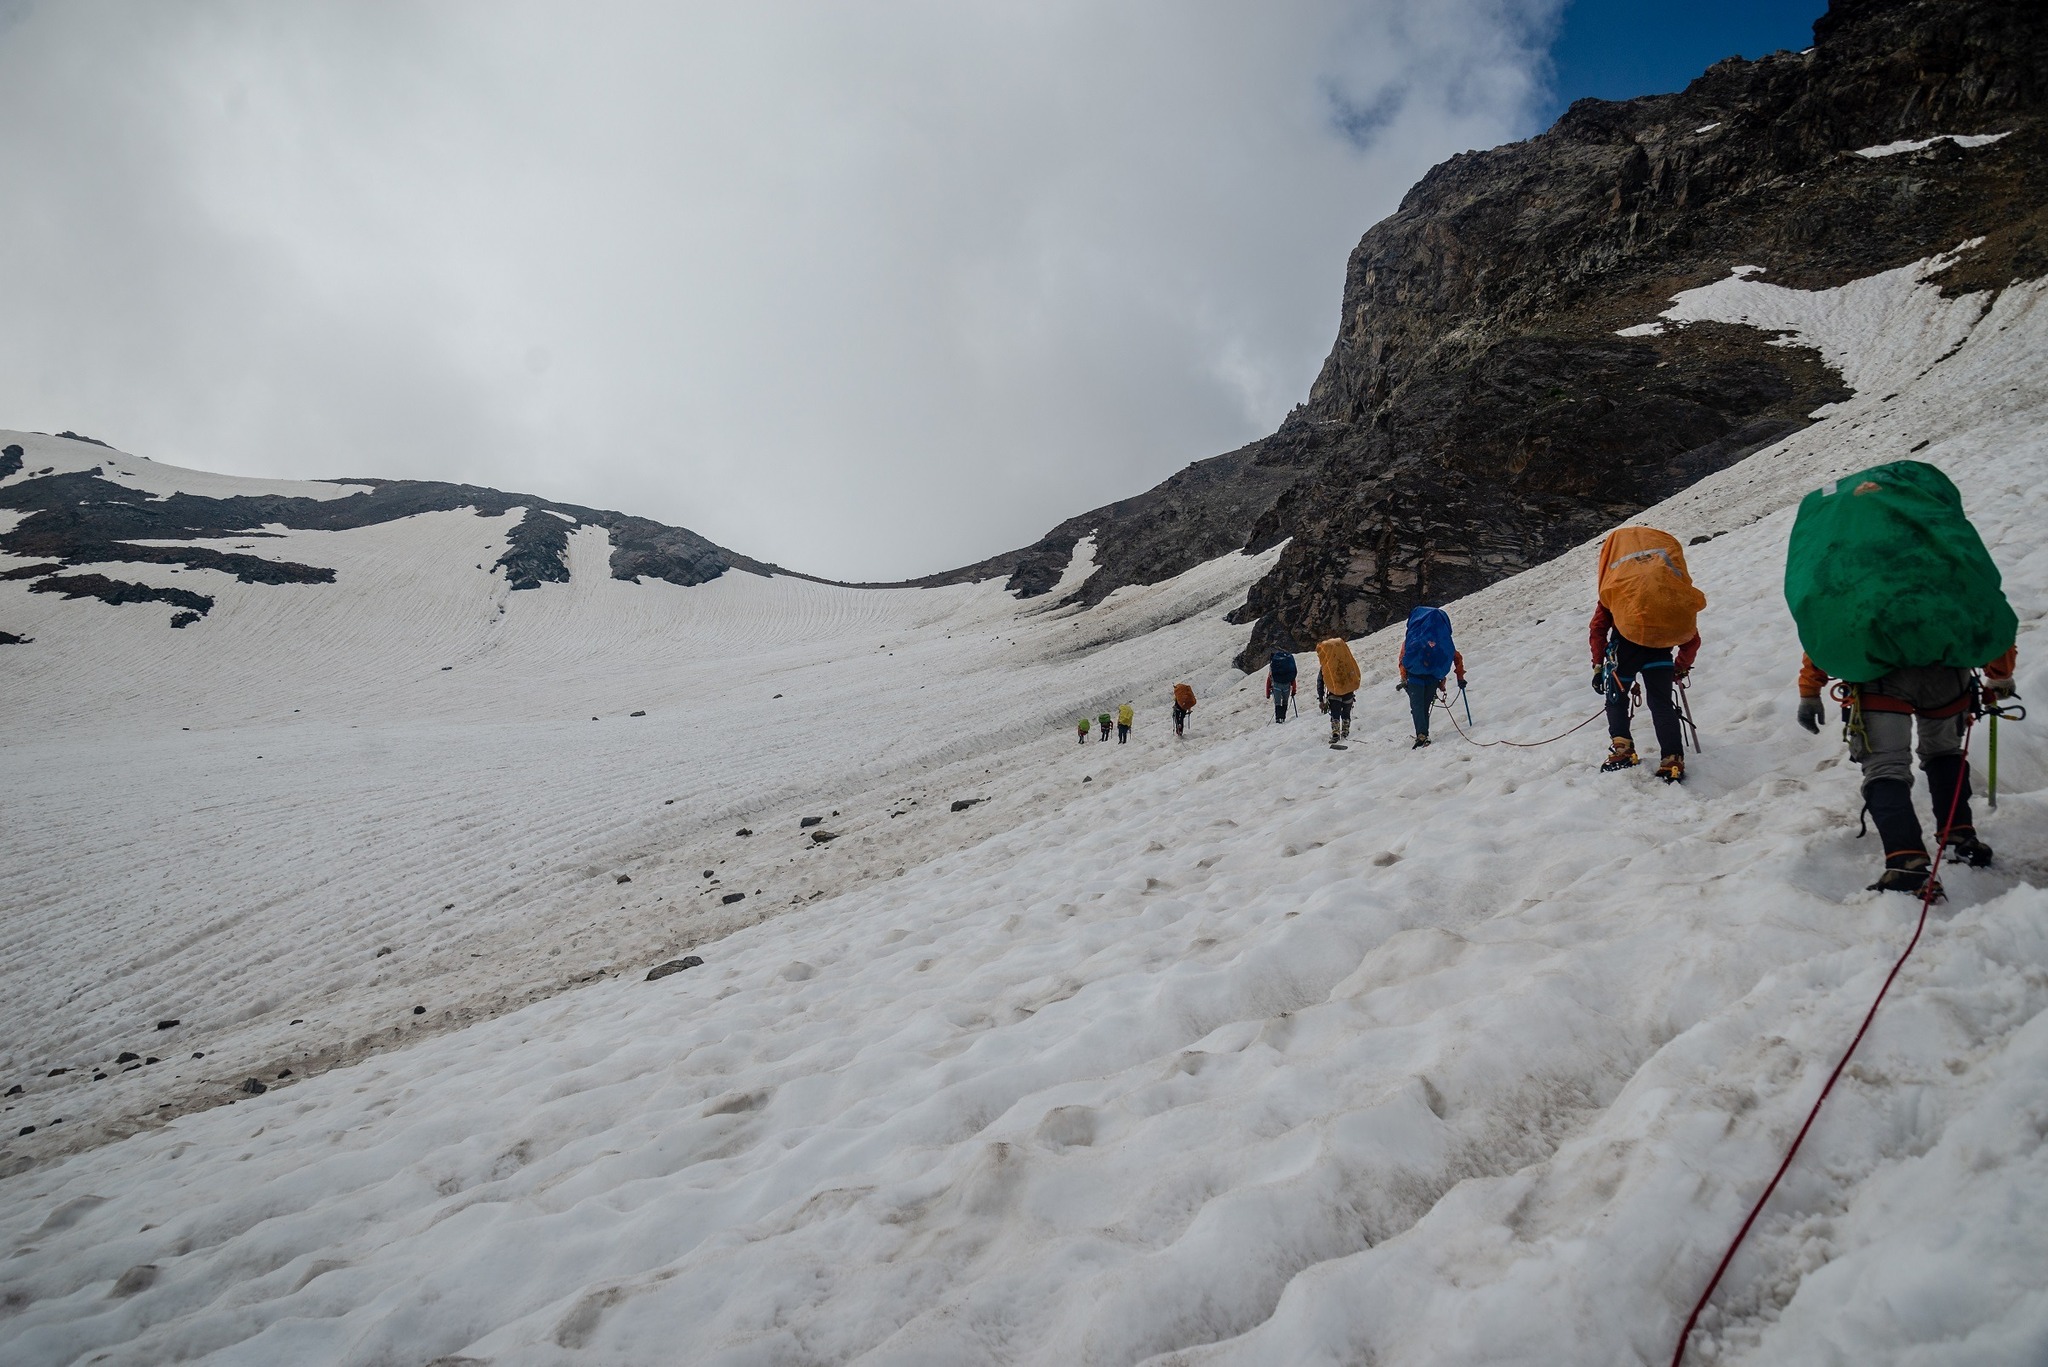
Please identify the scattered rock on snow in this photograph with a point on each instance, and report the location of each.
(636, 714)
(254, 1088)
(964, 803)
(166, 1025)
(127, 1056)
(810, 821)
(660, 971)
(15, 1090)
(743, 831)
(419, 1010)
(822, 837)
(27, 1129)
(138, 1278)
(732, 897)
(623, 878)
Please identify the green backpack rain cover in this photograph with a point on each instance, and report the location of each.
(1885, 572)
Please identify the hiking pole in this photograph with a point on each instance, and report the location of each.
(1685, 704)
(1467, 700)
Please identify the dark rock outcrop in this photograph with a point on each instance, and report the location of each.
(1478, 414)
(83, 518)
(118, 591)
(1203, 511)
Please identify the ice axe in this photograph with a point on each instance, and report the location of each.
(1685, 707)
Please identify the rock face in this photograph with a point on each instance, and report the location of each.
(1203, 511)
(1478, 414)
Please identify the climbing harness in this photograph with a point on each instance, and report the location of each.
(1927, 896)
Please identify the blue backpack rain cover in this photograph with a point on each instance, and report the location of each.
(1428, 650)
(1283, 667)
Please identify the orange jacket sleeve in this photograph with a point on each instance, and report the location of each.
(2002, 667)
(1812, 678)
(1458, 664)
(1596, 631)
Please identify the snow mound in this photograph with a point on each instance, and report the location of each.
(1893, 149)
(1268, 1054)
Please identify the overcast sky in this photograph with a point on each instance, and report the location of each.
(870, 289)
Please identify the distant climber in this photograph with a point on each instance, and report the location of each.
(1337, 679)
(1084, 730)
(1648, 606)
(1183, 703)
(1894, 594)
(1427, 658)
(1124, 716)
(1280, 685)
(1103, 722)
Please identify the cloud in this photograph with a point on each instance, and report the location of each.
(871, 290)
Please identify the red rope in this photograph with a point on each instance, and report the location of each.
(1926, 900)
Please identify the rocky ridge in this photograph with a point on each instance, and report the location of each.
(1478, 413)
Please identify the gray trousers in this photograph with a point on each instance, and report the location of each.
(1885, 749)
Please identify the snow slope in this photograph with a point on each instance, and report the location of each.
(290, 824)
(1268, 1054)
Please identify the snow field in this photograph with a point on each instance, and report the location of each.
(1268, 1054)
(392, 791)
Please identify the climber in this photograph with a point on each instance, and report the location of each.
(1124, 716)
(1647, 606)
(1337, 680)
(1427, 658)
(1084, 730)
(1894, 593)
(1280, 685)
(1103, 722)
(1183, 703)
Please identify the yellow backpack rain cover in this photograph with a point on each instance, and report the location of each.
(1339, 665)
(1645, 586)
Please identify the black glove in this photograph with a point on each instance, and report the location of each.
(1599, 678)
(1812, 711)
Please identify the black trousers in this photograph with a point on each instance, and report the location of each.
(1653, 668)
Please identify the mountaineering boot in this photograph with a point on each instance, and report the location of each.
(1967, 848)
(1621, 754)
(1671, 768)
(1420, 741)
(1347, 728)
(1890, 804)
(1907, 872)
(1948, 784)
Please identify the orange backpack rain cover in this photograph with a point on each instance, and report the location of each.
(1184, 697)
(1645, 586)
(1339, 665)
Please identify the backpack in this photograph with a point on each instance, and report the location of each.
(1184, 697)
(1427, 651)
(1645, 586)
(1885, 572)
(1283, 667)
(1339, 666)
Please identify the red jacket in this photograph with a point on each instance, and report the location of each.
(1603, 623)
